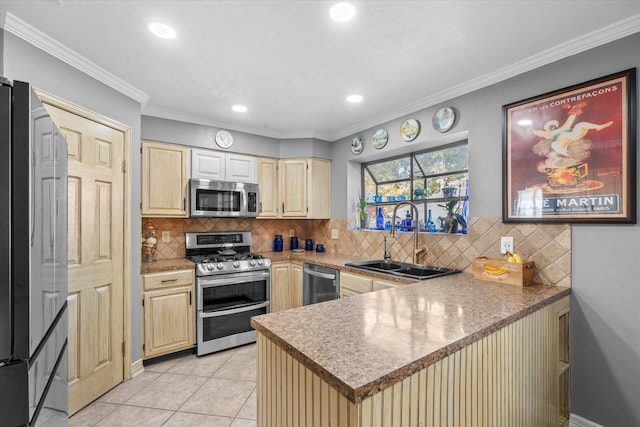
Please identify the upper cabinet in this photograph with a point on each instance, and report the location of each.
(295, 188)
(268, 187)
(165, 180)
(219, 166)
(305, 188)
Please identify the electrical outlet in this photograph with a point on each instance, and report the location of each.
(334, 233)
(506, 244)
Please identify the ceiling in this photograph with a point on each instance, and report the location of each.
(293, 67)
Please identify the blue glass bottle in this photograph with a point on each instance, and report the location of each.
(380, 220)
(431, 226)
(277, 243)
(406, 223)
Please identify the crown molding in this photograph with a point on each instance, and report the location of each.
(37, 38)
(597, 38)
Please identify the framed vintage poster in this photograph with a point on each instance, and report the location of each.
(570, 155)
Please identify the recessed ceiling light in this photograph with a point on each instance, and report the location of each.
(354, 98)
(239, 108)
(162, 30)
(342, 12)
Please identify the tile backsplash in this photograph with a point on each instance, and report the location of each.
(548, 245)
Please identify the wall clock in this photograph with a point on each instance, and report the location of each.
(224, 139)
(410, 129)
(443, 119)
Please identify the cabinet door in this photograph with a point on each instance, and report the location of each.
(169, 317)
(208, 164)
(295, 291)
(280, 272)
(268, 187)
(240, 168)
(319, 189)
(383, 284)
(164, 180)
(293, 187)
(353, 284)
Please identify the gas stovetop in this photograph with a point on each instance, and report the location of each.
(223, 252)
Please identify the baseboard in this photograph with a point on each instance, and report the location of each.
(136, 368)
(577, 421)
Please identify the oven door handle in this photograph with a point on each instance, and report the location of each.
(234, 311)
(209, 281)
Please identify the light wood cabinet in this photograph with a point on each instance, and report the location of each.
(169, 312)
(219, 166)
(354, 284)
(294, 188)
(383, 284)
(286, 286)
(165, 180)
(295, 295)
(267, 171)
(564, 373)
(305, 188)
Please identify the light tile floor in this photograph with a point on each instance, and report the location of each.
(217, 390)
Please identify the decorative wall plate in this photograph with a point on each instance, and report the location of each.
(380, 138)
(410, 129)
(224, 139)
(356, 145)
(443, 119)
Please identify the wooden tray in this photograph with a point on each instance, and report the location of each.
(502, 271)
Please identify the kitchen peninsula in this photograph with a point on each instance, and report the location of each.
(446, 351)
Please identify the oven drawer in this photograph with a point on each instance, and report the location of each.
(167, 279)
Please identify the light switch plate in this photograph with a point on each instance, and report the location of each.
(166, 236)
(334, 233)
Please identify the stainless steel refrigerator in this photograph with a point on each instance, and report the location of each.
(33, 262)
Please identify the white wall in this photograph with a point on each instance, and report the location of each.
(177, 132)
(605, 321)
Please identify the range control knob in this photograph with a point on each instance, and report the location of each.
(236, 264)
(209, 267)
(219, 266)
(252, 262)
(260, 262)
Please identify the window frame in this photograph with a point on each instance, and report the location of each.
(422, 203)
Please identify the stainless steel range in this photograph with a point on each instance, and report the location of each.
(232, 285)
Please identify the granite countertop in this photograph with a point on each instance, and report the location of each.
(161, 265)
(368, 342)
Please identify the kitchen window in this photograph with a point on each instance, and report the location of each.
(428, 178)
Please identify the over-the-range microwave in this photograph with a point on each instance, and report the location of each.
(222, 199)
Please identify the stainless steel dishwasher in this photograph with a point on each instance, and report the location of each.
(319, 284)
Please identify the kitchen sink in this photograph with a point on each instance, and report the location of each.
(402, 269)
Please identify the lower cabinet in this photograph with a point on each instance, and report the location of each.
(383, 284)
(286, 285)
(355, 284)
(169, 312)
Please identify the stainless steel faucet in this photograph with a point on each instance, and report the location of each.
(414, 209)
(387, 255)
